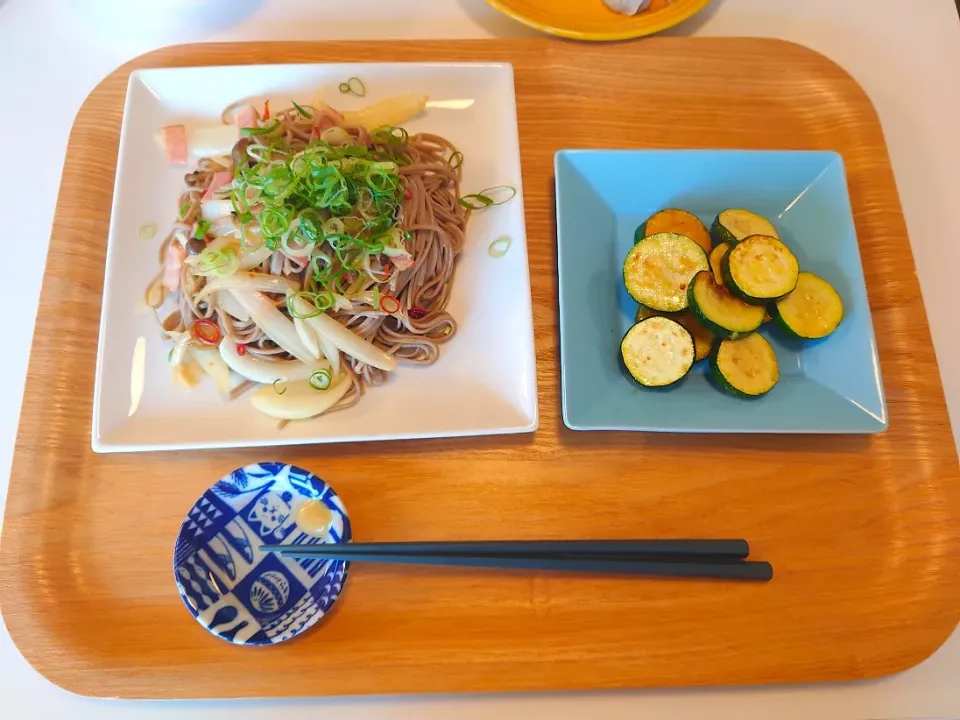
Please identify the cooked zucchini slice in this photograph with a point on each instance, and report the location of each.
(760, 269)
(673, 220)
(733, 225)
(703, 339)
(812, 311)
(746, 367)
(716, 256)
(657, 351)
(720, 312)
(643, 312)
(658, 270)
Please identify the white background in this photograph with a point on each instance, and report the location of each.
(52, 53)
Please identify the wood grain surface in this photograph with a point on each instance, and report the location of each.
(861, 529)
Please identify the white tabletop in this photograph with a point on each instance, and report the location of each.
(906, 55)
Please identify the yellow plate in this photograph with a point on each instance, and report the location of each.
(593, 20)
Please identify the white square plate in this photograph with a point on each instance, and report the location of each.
(485, 380)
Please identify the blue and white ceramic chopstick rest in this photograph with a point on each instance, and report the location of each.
(246, 596)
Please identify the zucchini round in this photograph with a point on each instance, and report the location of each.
(733, 225)
(760, 269)
(657, 351)
(716, 256)
(812, 311)
(673, 220)
(747, 367)
(703, 339)
(658, 269)
(720, 312)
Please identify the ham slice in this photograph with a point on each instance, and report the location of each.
(174, 141)
(402, 262)
(172, 265)
(219, 180)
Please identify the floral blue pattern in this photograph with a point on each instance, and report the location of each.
(234, 590)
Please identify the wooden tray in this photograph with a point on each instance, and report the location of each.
(860, 529)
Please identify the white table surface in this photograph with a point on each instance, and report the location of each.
(906, 55)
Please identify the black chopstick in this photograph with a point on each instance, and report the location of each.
(735, 549)
(727, 569)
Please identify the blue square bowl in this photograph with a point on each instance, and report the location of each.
(829, 386)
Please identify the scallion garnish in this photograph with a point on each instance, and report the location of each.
(202, 227)
(308, 116)
(354, 86)
(148, 231)
(482, 199)
(499, 247)
(320, 380)
(456, 160)
(265, 130)
(280, 390)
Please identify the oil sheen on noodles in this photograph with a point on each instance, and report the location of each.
(310, 254)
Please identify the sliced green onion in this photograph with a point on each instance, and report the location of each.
(321, 380)
(456, 160)
(278, 391)
(354, 86)
(308, 116)
(185, 208)
(265, 130)
(499, 247)
(389, 135)
(482, 199)
(148, 231)
(202, 227)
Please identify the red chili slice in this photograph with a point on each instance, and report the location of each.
(407, 193)
(266, 109)
(241, 349)
(389, 304)
(417, 312)
(207, 332)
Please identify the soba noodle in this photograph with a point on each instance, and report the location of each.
(418, 274)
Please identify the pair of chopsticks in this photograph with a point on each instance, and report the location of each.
(716, 559)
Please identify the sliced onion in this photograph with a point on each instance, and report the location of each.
(213, 365)
(213, 210)
(268, 371)
(256, 258)
(180, 347)
(330, 351)
(300, 400)
(348, 341)
(226, 302)
(225, 226)
(263, 282)
(212, 140)
(274, 324)
(308, 336)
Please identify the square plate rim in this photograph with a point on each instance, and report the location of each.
(530, 422)
(876, 425)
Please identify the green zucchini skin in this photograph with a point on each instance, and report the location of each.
(722, 235)
(721, 381)
(675, 259)
(633, 372)
(783, 323)
(736, 290)
(721, 332)
(718, 376)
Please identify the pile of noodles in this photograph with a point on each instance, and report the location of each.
(430, 217)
